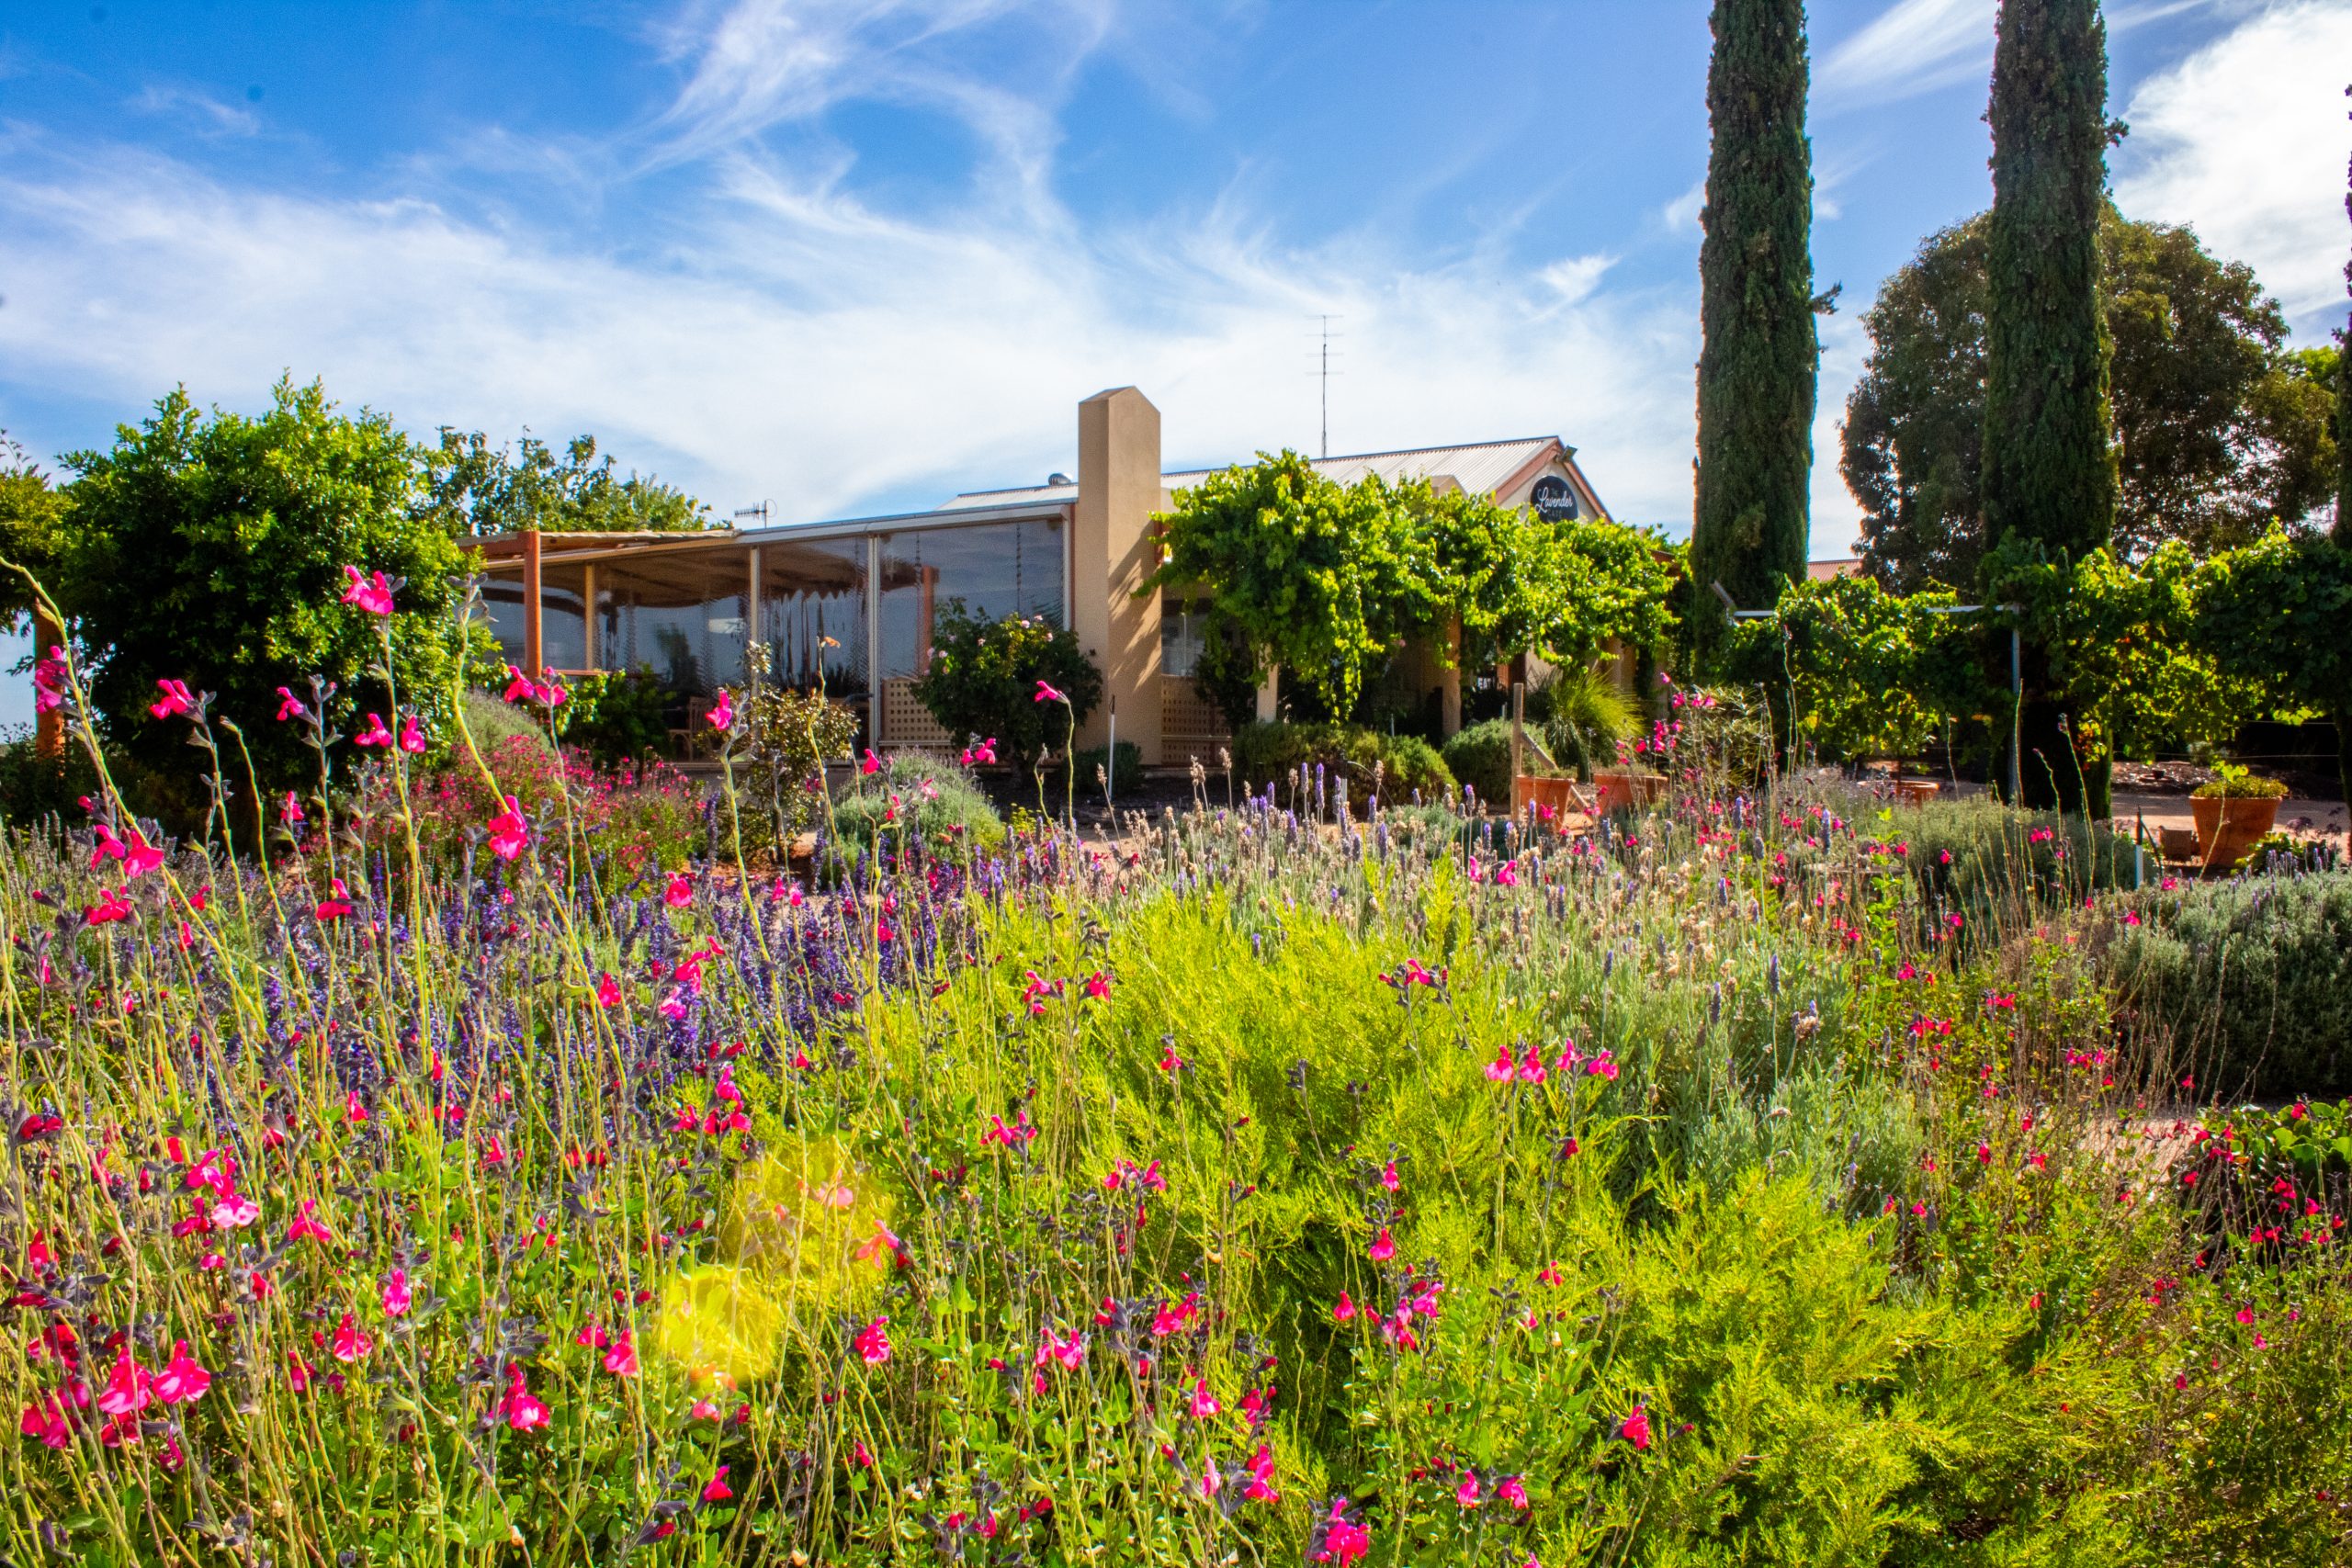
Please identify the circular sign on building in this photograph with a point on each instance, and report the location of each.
(1555, 499)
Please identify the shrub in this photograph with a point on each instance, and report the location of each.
(1126, 781)
(1978, 857)
(784, 738)
(983, 678)
(612, 715)
(936, 802)
(632, 820)
(32, 786)
(1269, 753)
(2252, 980)
(1479, 758)
(2236, 784)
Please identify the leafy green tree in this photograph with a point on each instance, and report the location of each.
(210, 550)
(1761, 354)
(31, 511)
(477, 489)
(2049, 467)
(2219, 428)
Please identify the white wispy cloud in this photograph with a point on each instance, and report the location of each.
(1921, 46)
(2247, 139)
(193, 105)
(810, 349)
(1912, 47)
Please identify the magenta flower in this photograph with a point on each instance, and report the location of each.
(289, 705)
(508, 832)
(110, 908)
(49, 691)
(127, 1390)
(1512, 1490)
(374, 734)
(175, 699)
(181, 1379)
(1467, 1494)
(411, 736)
(1383, 1248)
(1203, 1404)
(1499, 1070)
(620, 1357)
(520, 1409)
(306, 1224)
(680, 891)
(290, 812)
(1635, 1428)
(1046, 693)
(722, 711)
(336, 904)
(1345, 1310)
(371, 594)
(397, 1296)
(872, 1343)
(716, 1490)
(609, 992)
(1388, 1177)
(871, 765)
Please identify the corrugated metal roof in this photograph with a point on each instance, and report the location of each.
(1477, 467)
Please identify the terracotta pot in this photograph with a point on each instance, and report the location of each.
(2227, 828)
(1618, 787)
(1915, 791)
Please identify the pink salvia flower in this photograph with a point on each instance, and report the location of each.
(350, 1342)
(49, 693)
(1467, 1494)
(871, 765)
(620, 1358)
(1512, 1490)
(290, 811)
(411, 736)
(1047, 694)
(181, 1379)
(1635, 1428)
(397, 1296)
(872, 1343)
(522, 1412)
(680, 891)
(306, 1224)
(609, 992)
(722, 711)
(1383, 1248)
(508, 832)
(126, 1391)
(1345, 1310)
(374, 734)
(175, 699)
(371, 594)
(716, 1490)
(1203, 1404)
(289, 705)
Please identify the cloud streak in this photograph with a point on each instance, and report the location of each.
(2247, 139)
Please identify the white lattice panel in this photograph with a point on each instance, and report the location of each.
(1190, 726)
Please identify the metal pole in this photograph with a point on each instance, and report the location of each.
(1110, 764)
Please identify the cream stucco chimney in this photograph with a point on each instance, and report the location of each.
(1111, 554)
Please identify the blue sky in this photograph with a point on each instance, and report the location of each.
(851, 255)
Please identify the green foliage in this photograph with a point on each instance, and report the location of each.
(2217, 427)
(920, 800)
(2050, 474)
(623, 822)
(1479, 758)
(1854, 671)
(1321, 580)
(982, 683)
(784, 740)
(475, 489)
(211, 550)
(33, 787)
(1271, 753)
(1125, 781)
(1585, 714)
(615, 715)
(2233, 782)
(2253, 977)
(1758, 356)
(32, 510)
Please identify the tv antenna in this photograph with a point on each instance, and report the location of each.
(760, 512)
(1323, 372)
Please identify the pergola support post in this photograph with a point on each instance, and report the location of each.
(534, 641)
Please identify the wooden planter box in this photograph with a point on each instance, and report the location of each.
(1558, 794)
(1618, 787)
(2227, 828)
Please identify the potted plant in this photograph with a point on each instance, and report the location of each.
(2233, 811)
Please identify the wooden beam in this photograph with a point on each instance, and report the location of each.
(534, 644)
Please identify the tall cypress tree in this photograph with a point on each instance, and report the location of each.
(2049, 468)
(2341, 711)
(1760, 356)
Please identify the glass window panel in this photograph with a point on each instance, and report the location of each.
(813, 596)
(988, 571)
(680, 614)
(563, 619)
(1179, 637)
